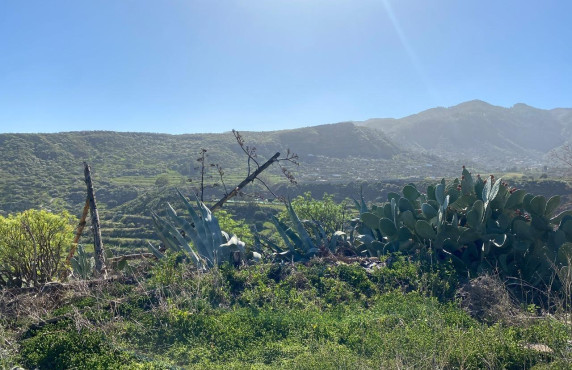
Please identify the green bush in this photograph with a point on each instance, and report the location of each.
(328, 213)
(63, 347)
(33, 245)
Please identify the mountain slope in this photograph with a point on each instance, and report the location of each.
(40, 170)
(481, 131)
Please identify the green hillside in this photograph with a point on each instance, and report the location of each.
(134, 173)
(45, 170)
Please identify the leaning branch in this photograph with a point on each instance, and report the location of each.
(79, 231)
(246, 181)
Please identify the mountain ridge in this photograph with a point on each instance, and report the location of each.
(480, 131)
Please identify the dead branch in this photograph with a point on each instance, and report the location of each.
(250, 178)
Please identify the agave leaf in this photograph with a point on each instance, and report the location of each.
(282, 231)
(361, 205)
(272, 245)
(211, 224)
(173, 232)
(306, 240)
(163, 234)
(155, 251)
(298, 243)
(323, 233)
(334, 240)
(198, 243)
(195, 218)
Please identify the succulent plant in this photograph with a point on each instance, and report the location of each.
(201, 239)
(299, 244)
(82, 263)
(478, 224)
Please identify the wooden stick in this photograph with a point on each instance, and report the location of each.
(245, 182)
(97, 242)
(80, 227)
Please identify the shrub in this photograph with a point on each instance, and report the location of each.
(32, 246)
(59, 347)
(326, 211)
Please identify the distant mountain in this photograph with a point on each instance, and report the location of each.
(338, 140)
(480, 131)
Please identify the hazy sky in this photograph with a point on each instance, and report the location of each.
(184, 66)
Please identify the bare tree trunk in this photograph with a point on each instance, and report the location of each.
(97, 243)
(244, 182)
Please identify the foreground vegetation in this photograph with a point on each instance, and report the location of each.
(325, 314)
(467, 274)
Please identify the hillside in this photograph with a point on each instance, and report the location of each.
(520, 135)
(134, 173)
(45, 170)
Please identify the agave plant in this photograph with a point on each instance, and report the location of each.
(82, 263)
(200, 238)
(300, 245)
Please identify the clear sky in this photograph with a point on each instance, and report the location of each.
(186, 66)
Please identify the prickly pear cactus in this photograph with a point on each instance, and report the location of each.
(479, 224)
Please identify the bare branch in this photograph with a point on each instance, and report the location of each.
(221, 174)
(563, 155)
(267, 188)
(250, 151)
(246, 181)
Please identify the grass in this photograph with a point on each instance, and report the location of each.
(315, 316)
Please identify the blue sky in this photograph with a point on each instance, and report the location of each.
(186, 66)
